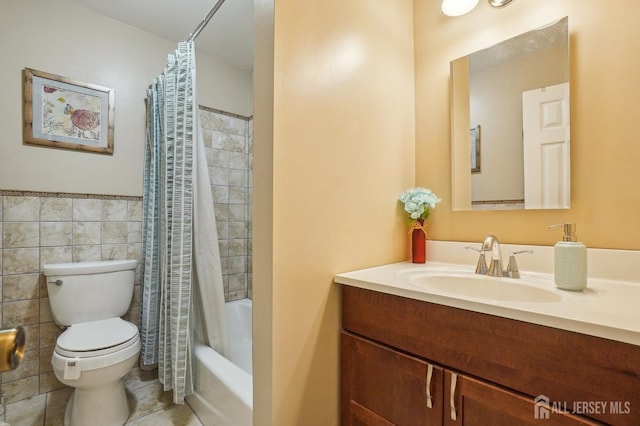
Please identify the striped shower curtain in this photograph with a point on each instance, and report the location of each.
(172, 276)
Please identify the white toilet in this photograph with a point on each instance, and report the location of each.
(98, 348)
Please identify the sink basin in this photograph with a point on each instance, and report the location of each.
(470, 285)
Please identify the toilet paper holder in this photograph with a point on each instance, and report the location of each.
(12, 342)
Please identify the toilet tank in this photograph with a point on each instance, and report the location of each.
(89, 291)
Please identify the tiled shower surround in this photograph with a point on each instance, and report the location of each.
(228, 142)
(38, 228)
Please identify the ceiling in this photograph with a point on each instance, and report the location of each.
(229, 34)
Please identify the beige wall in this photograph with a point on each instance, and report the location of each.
(605, 90)
(263, 213)
(59, 37)
(342, 151)
(340, 144)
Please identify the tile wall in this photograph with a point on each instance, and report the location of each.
(229, 145)
(39, 228)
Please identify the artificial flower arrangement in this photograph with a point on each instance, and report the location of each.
(418, 202)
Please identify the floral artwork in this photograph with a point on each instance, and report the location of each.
(62, 113)
(69, 113)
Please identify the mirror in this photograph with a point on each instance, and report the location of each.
(510, 123)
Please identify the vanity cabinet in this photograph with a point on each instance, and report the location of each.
(382, 386)
(479, 403)
(401, 358)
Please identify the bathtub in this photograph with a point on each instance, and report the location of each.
(224, 387)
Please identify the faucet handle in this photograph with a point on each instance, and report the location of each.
(512, 268)
(481, 267)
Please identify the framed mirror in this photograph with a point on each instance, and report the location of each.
(517, 92)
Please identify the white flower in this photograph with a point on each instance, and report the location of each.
(418, 202)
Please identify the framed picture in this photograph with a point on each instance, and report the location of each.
(475, 149)
(63, 113)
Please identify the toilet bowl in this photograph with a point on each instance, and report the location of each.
(98, 348)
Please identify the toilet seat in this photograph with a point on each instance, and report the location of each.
(96, 344)
(64, 363)
(96, 338)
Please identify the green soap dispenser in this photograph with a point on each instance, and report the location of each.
(570, 260)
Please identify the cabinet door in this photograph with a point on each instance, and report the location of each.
(471, 402)
(383, 387)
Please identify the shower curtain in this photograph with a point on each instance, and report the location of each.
(182, 290)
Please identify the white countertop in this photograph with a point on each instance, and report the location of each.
(608, 308)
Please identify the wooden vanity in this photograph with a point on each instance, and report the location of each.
(413, 362)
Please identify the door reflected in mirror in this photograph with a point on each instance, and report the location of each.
(517, 92)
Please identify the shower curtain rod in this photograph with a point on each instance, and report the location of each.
(205, 21)
(203, 24)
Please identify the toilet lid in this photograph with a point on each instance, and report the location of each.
(96, 335)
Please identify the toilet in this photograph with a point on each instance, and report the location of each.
(98, 348)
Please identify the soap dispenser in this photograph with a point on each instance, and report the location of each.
(570, 260)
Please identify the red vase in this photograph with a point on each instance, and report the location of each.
(419, 242)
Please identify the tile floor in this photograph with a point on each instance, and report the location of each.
(150, 406)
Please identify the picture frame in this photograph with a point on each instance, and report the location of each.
(59, 112)
(475, 135)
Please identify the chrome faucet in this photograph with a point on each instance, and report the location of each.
(492, 244)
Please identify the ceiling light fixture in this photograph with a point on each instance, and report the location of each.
(462, 7)
(458, 7)
(499, 3)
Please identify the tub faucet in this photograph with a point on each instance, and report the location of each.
(492, 244)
